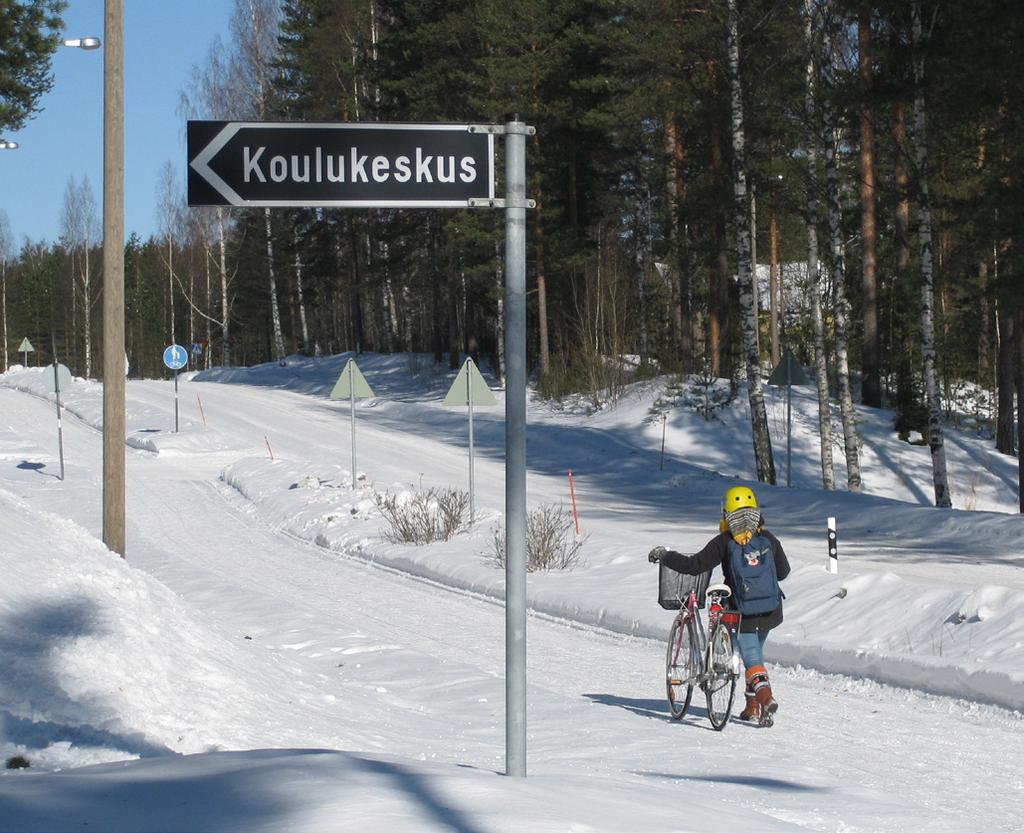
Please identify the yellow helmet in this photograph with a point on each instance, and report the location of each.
(739, 497)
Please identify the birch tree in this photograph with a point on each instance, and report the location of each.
(841, 305)
(209, 96)
(254, 29)
(936, 441)
(168, 222)
(813, 272)
(6, 247)
(79, 228)
(748, 313)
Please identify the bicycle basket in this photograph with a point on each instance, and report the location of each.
(673, 587)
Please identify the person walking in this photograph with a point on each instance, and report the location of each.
(753, 563)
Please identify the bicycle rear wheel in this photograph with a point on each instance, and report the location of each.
(720, 687)
(681, 665)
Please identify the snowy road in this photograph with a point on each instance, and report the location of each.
(426, 663)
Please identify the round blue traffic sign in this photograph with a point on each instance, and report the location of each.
(175, 357)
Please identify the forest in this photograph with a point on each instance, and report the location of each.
(717, 182)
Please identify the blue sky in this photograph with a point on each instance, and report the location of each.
(163, 39)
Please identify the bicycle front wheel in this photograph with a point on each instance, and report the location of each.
(681, 665)
(721, 677)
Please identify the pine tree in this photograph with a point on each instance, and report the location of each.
(29, 35)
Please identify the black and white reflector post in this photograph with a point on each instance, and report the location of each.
(833, 547)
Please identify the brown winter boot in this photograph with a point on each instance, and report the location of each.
(752, 711)
(763, 696)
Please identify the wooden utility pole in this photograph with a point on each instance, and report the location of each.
(113, 278)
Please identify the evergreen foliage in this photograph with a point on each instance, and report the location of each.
(632, 249)
(29, 35)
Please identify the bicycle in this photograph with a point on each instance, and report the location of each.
(708, 659)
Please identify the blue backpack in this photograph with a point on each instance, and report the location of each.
(755, 583)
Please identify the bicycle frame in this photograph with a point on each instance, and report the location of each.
(713, 671)
(689, 617)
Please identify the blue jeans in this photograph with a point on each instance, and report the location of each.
(752, 647)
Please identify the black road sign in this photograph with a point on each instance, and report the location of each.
(357, 165)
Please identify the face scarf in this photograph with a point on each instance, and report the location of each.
(743, 523)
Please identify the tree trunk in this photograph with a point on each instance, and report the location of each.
(813, 274)
(209, 301)
(225, 306)
(718, 312)
(871, 386)
(542, 307)
(170, 287)
(358, 324)
(679, 282)
(899, 344)
(275, 311)
(936, 442)
(304, 327)
(87, 310)
(641, 258)
(774, 290)
(1019, 332)
(3, 308)
(1007, 341)
(758, 416)
(841, 304)
(984, 326)
(754, 285)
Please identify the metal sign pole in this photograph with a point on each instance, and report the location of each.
(352, 411)
(789, 425)
(469, 399)
(60, 428)
(175, 401)
(515, 447)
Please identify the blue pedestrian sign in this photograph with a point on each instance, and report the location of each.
(175, 357)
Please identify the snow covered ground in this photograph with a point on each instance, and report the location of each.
(265, 660)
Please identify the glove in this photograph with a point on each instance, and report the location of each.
(654, 556)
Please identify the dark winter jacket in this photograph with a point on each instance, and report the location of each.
(716, 554)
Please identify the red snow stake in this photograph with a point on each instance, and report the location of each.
(203, 415)
(268, 447)
(575, 514)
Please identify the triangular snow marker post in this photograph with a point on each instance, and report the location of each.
(26, 348)
(60, 380)
(469, 389)
(788, 371)
(351, 385)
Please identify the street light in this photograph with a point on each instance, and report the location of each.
(82, 43)
(8, 145)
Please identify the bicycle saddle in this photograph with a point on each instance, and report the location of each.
(724, 589)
